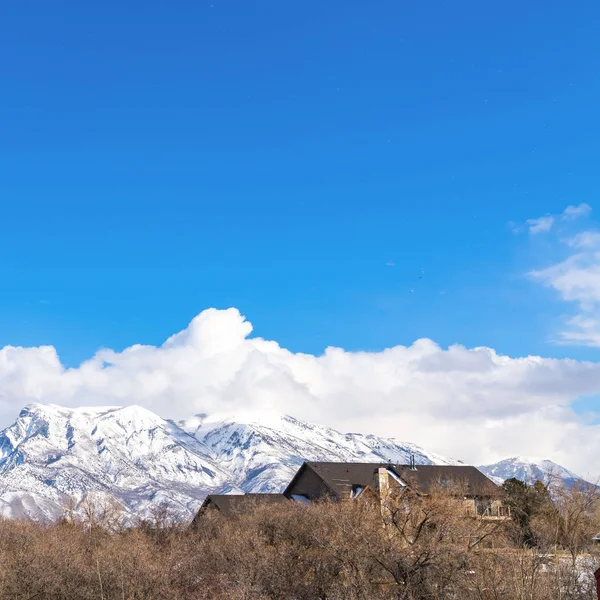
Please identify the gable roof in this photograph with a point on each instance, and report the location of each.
(340, 478)
(231, 504)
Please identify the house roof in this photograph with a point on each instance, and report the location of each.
(341, 478)
(230, 504)
(427, 477)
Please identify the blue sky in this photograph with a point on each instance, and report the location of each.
(159, 158)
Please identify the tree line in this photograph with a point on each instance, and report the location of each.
(410, 548)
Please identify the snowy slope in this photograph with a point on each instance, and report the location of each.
(529, 470)
(51, 457)
(264, 450)
(52, 454)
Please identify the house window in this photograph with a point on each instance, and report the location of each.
(356, 491)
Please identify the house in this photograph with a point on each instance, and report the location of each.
(337, 481)
(234, 504)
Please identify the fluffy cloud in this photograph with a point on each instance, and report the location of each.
(470, 403)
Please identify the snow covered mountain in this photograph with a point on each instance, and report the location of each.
(530, 470)
(263, 451)
(52, 456)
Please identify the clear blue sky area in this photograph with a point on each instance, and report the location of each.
(159, 158)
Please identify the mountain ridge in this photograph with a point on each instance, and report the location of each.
(265, 452)
(53, 456)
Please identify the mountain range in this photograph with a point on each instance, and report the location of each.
(53, 458)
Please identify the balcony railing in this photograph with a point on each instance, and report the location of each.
(487, 511)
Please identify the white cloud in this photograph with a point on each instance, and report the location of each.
(546, 223)
(541, 225)
(577, 280)
(470, 403)
(582, 331)
(575, 212)
(585, 239)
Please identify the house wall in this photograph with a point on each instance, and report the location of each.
(309, 484)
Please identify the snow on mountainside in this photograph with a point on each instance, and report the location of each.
(529, 470)
(264, 450)
(53, 454)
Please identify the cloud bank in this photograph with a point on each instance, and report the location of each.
(472, 403)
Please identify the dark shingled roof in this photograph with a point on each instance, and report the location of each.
(424, 478)
(341, 477)
(230, 504)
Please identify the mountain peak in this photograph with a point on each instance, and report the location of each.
(35, 407)
(529, 470)
(132, 412)
(51, 454)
